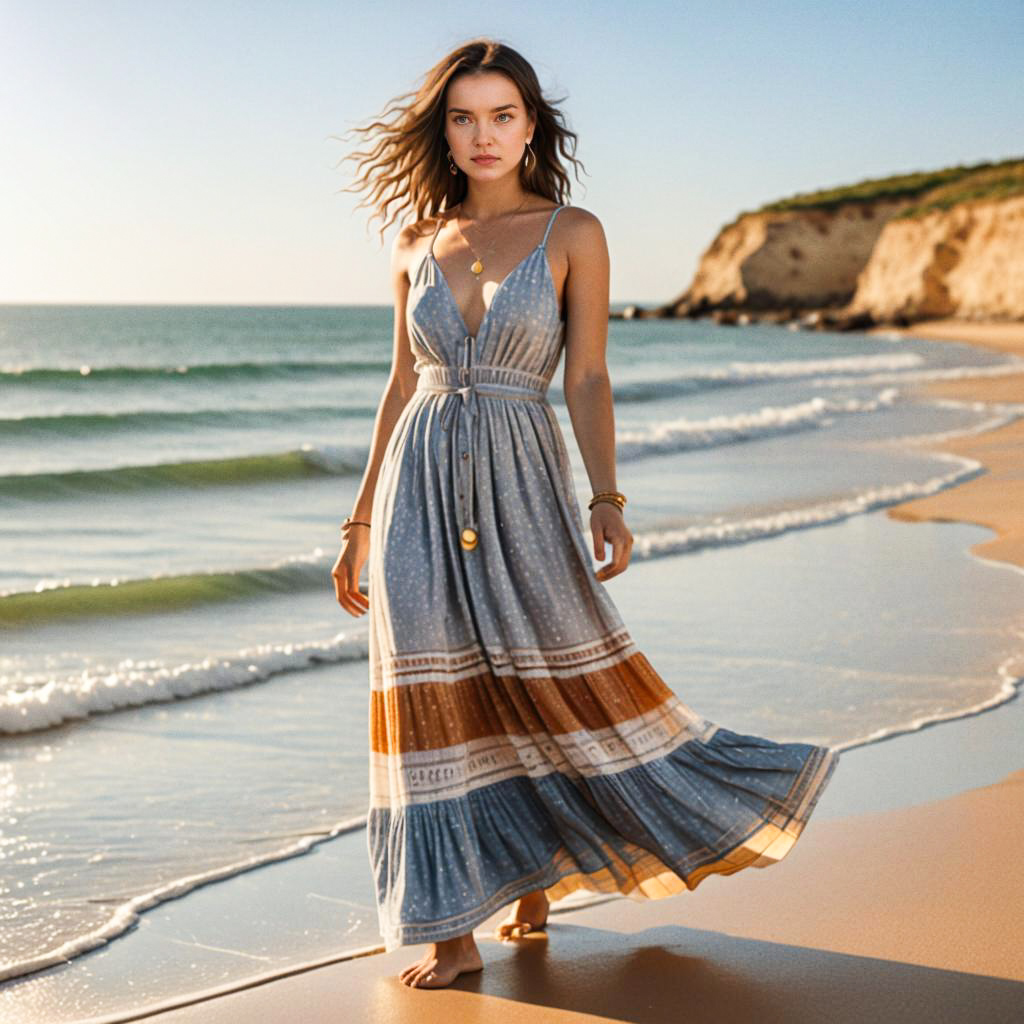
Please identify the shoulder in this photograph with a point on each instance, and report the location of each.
(411, 242)
(412, 235)
(578, 227)
(579, 236)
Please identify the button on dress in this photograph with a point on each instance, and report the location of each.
(519, 740)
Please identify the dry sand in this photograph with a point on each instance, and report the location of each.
(914, 914)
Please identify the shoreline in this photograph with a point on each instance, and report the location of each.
(996, 498)
(940, 949)
(301, 874)
(871, 827)
(858, 926)
(1000, 455)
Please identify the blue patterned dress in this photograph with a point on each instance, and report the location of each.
(519, 740)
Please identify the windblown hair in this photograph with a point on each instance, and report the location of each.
(408, 162)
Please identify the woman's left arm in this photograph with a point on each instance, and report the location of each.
(587, 388)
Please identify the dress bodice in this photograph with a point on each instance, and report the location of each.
(522, 329)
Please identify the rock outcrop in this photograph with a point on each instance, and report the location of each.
(965, 262)
(802, 258)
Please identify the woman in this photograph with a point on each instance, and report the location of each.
(521, 745)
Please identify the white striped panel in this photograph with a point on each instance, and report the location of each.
(523, 663)
(450, 772)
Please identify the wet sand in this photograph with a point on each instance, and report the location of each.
(996, 498)
(909, 915)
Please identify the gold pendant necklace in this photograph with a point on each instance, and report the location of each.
(477, 266)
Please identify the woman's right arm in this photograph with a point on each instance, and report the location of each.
(398, 390)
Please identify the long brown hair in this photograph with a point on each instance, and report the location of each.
(408, 161)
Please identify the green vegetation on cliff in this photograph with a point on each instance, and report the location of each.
(926, 190)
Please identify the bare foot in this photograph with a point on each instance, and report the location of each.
(530, 913)
(443, 962)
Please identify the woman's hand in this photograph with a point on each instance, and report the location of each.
(345, 573)
(608, 524)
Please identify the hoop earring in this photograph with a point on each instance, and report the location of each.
(451, 163)
(527, 157)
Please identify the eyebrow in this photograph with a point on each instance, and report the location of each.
(494, 110)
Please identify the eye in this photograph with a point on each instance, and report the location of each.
(504, 113)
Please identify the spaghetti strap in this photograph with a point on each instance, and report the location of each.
(551, 220)
(437, 231)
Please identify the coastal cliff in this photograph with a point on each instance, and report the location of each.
(965, 262)
(806, 258)
(884, 251)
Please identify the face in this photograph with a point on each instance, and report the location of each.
(486, 116)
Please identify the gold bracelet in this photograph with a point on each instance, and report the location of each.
(616, 498)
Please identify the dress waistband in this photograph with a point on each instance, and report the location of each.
(499, 381)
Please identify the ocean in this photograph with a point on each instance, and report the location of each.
(182, 698)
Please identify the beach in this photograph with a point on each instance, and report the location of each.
(900, 903)
(794, 725)
(995, 500)
(906, 915)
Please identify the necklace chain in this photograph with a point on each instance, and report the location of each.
(477, 266)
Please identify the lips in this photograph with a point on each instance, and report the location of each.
(485, 159)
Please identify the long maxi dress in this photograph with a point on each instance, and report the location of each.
(519, 739)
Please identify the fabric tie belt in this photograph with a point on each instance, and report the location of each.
(466, 381)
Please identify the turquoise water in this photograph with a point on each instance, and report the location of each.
(181, 697)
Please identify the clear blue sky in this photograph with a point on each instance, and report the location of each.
(179, 151)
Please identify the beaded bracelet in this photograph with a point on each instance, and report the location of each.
(349, 521)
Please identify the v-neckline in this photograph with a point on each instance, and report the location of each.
(494, 297)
